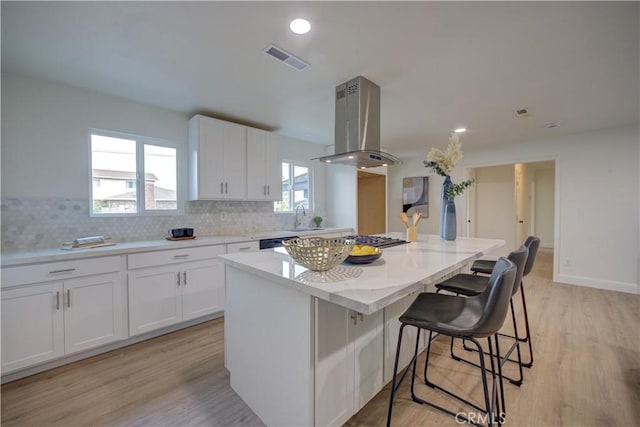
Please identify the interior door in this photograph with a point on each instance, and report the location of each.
(523, 202)
(494, 205)
(371, 203)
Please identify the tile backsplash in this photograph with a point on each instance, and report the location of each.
(31, 224)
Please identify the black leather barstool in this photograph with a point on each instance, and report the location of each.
(471, 285)
(486, 267)
(471, 318)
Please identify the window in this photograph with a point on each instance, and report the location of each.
(133, 175)
(296, 187)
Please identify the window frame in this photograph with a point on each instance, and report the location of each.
(292, 165)
(141, 141)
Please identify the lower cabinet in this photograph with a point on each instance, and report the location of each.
(349, 361)
(46, 320)
(162, 295)
(391, 331)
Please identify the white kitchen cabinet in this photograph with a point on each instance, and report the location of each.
(32, 325)
(168, 287)
(250, 246)
(217, 159)
(349, 364)
(55, 309)
(264, 165)
(391, 330)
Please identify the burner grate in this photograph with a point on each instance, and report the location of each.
(376, 241)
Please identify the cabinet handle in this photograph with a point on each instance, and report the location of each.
(184, 279)
(58, 300)
(245, 248)
(268, 189)
(68, 298)
(178, 278)
(264, 190)
(181, 256)
(66, 270)
(221, 187)
(354, 318)
(226, 188)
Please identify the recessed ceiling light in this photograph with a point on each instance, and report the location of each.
(460, 130)
(300, 26)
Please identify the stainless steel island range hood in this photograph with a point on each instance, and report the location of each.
(357, 126)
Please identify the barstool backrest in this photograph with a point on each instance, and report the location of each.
(495, 299)
(533, 243)
(519, 258)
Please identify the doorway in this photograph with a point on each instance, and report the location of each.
(510, 202)
(372, 217)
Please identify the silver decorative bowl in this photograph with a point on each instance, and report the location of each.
(319, 253)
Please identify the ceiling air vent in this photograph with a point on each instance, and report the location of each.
(285, 57)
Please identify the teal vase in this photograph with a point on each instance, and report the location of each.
(450, 225)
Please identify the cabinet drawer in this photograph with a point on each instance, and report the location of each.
(151, 259)
(14, 276)
(243, 247)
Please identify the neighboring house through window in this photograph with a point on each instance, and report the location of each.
(296, 187)
(133, 175)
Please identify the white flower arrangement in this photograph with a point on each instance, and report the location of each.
(443, 163)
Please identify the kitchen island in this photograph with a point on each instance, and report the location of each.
(310, 348)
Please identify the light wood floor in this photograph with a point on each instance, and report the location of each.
(586, 373)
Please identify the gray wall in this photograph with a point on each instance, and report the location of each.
(46, 177)
(597, 225)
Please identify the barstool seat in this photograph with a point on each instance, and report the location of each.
(464, 284)
(471, 318)
(471, 285)
(484, 266)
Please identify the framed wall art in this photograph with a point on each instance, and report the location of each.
(415, 195)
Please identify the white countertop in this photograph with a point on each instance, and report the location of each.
(57, 254)
(367, 288)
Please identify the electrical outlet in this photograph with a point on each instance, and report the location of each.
(223, 216)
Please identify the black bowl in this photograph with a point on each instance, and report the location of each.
(363, 259)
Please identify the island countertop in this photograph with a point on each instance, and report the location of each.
(368, 288)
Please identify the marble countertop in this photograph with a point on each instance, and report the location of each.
(368, 288)
(125, 248)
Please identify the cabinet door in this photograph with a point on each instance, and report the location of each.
(92, 314)
(334, 393)
(154, 298)
(234, 157)
(209, 162)
(32, 325)
(391, 330)
(256, 173)
(273, 166)
(202, 288)
(366, 336)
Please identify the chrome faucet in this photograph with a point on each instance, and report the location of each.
(304, 213)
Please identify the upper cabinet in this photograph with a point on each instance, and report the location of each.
(231, 161)
(217, 159)
(264, 164)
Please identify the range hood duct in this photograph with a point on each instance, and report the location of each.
(357, 126)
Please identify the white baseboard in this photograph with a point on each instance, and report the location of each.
(609, 285)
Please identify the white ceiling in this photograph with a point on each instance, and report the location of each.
(439, 64)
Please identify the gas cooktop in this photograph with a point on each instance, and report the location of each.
(376, 241)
